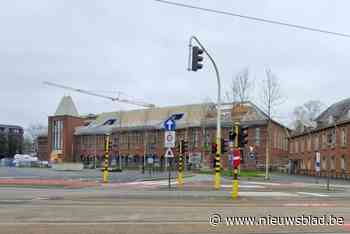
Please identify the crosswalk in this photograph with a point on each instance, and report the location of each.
(247, 188)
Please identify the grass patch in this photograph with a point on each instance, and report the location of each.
(229, 173)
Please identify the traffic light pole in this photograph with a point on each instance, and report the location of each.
(217, 178)
(180, 166)
(236, 153)
(106, 159)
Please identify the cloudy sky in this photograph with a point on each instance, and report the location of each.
(140, 47)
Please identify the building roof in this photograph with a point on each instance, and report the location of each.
(337, 111)
(10, 126)
(195, 115)
(66, 107)
(146, 118)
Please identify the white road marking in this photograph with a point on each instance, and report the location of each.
(313, 194)
(242, 186)
(263, 183)
(308, 205)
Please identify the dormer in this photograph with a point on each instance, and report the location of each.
(330, 119)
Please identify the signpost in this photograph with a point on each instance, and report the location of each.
(169, 139)
(169, 142)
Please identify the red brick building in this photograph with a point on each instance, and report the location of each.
(61, 129)
(138, 134)
(328, 138)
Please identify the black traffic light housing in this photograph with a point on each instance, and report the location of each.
(232, 136)
(184, 146)
(197, 58)
(224, 145)
(214, 148)
(243, 135)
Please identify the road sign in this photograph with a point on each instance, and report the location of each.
(169, 153)
(252, 156)
(169, 124)
(236, 158)
(318, 162)
(169, 141)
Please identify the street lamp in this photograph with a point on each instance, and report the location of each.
(195, 66)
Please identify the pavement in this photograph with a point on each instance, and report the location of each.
(147, 205)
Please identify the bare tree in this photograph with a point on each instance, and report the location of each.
(306, 113)
(241, 87)
(35, 129)
(271, 97)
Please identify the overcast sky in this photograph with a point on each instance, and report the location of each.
(140, 47)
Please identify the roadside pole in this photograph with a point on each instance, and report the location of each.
(106, 161)
(169, 182)
(236, 161)
(196, 64)
(180, 165)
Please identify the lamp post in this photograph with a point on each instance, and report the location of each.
(217, 177)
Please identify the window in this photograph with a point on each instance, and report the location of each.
(332, 163)
(302, 143)
(316, 143)
(309, 144)
(343, 137)
(109, 122)
(324, 140)
(324, 163)
(195, 138)
(332, 139)
(342, 163)
(296, 146)
(257, 136)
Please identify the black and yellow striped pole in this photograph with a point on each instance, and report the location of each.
(106, 159)
(236, 158)
(217, 184)
(180, 165)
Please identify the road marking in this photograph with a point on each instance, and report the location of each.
(313, 194)
(309, 205)
(242, 186)
(266, 194)
(263, 183)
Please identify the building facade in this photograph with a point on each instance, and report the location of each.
(328, 139)
(11, 140)
(133, 141)
(138, 135)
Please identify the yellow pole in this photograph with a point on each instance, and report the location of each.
(235, 169)
(217, 164)
(106, 161)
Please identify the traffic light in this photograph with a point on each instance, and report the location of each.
(243, 134)
(197, 58)
(232, 136)
(214, 148)
(184, 146)
(224, 145)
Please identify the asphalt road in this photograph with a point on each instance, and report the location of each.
(149, 207)
(93, 211)
(132, 205)
(86, 174)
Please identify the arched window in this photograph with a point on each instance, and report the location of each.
(342, 163)
(332, 163)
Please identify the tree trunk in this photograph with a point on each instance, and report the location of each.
(267, 151)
